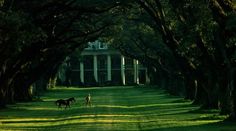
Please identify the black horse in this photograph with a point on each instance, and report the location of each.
(65, 103)
(62, 102)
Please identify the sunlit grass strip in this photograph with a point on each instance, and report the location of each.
(141, 106)
(159, 122)
(15, 120)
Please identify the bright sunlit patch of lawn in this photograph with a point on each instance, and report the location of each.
(113, 108)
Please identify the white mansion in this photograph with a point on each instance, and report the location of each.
(99, 64)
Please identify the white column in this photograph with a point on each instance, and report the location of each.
(137, 68)
(95, 67)
(122, 68)
(147, 76)
(82, 71)
(109, 67)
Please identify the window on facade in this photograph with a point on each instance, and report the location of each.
(102, 46)
(93, 46)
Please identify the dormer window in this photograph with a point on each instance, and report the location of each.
(102, 45)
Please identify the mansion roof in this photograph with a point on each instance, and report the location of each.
(99, 48)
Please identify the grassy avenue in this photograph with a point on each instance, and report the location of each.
(113, 108)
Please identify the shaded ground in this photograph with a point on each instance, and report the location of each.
(114, 108)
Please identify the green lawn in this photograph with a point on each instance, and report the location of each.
(114, 108)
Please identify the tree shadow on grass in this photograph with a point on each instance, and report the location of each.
(189, 109)
(180, 100)
(96, 126)
(216, 126)
(199, 110)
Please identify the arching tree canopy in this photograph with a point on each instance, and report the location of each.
(184, 42)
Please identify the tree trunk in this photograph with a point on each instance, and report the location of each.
(23, 94)
(232, 75)
(22, 88)
(224, 71)
(2, 98)
(10, 95)
(190, 87)
(211, 101)
(200, 95)
(5, 91)
(212, 93)
(224, 101)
